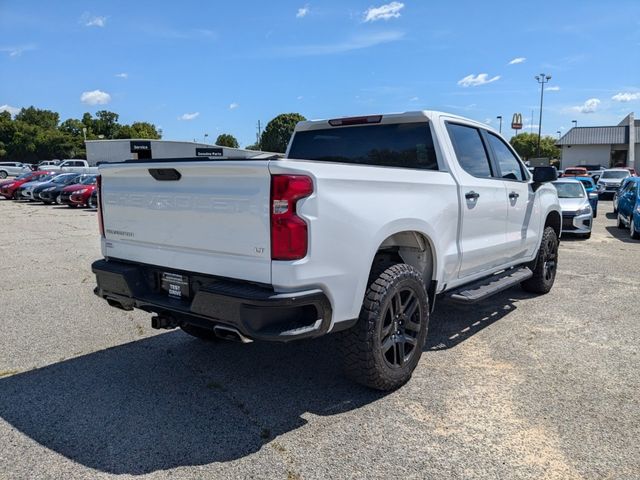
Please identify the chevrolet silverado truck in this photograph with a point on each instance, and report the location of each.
(357, 231)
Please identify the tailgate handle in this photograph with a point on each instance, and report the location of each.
(165, 174)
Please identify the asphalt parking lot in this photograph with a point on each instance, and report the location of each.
(515, 387)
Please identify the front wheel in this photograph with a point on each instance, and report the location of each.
(545, 265)
(632, 230)
(3, 174)
(620, 222)
(383, 349)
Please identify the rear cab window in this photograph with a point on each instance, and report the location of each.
(401, 145)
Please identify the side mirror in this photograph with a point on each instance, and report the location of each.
(543, 175)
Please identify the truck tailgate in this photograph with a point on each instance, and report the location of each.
(213, 219)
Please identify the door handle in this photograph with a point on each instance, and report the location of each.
(471, 195)
(514, 195)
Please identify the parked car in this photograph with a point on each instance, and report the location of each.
(616, 194)
(577, 214)
(575, 172)
(9, 189)
(610, 181)
(76, 166)
(25, 191)
(54, 194)
(47, 163)
(13, 169)
(56, 184)
(592, 192)
(65, 194)
(629, 207)
(357, 230)
(80, 197)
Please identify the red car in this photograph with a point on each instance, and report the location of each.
(80, 197)
(79, 191)
(9, 188)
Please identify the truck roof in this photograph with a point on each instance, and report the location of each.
(401, 117)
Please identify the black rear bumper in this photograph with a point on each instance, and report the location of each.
(256, 311)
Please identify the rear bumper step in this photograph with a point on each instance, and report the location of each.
(257, 312)
(486, 287)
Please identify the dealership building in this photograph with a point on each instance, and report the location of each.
(108, 151)
(610, 146)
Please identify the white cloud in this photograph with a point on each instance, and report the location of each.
(353, 43)
(590, 106)
(383, 12)
(188, 116)
(300, 97)
(488, 121)
(17, 51)
(414, 99)
(475, 80)
(302, 12)
(555, 88)
(89, 20)
(233, 106)
(95, 97)
(517, 60)
(626, 96)
(9, 108)
(122, 75)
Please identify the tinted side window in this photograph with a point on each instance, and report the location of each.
(510, 167)
(469, 148)
(405, 145)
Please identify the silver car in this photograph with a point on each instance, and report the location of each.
(577, 214)
(12, 169)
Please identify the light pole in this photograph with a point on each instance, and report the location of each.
(84, 133)
(558, 132)
(499, 117)
(575, 123)
(542, 79)
(205, 137)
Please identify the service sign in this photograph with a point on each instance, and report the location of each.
(516, 121)
(209, 152)
(140, 146)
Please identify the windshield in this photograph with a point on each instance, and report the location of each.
(24, 175)
(407, 145)
(44, 178)
(615, 174)
(569, 190)
(63, 179)
(90, 180)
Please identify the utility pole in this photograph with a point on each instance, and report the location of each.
(499, 117)
(259, 133)
(542, 79)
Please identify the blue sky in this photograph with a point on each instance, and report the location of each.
(213, 67)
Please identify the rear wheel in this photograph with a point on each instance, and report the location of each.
(620, 222)
(199, 332)
(545, 266)
(382, 350)
(59, 200)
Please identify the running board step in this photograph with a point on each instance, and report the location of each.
(485, 287)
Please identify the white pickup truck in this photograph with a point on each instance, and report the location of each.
(358, 230)
(71, 166)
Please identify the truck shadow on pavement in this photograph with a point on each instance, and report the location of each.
(170, 400)
(453, 323)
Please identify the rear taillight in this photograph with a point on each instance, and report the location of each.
(99, 199)
(289, 236)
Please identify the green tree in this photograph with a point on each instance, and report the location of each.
(253, 146)
(42, 118)
(227, 140)
(106, 123)
(526, 144)
(277, 133)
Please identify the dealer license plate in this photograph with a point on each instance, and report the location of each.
(176, 286)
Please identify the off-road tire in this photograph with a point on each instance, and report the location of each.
(365, 360)
(545, 265)
(199, 332)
